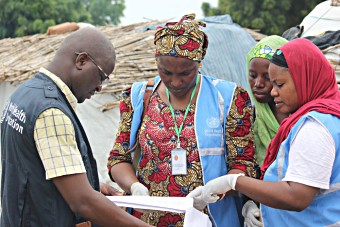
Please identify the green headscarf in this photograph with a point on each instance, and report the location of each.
(266, 125)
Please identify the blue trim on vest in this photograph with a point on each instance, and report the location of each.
(210, 136)
(325, 207)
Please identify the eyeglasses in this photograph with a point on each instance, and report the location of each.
(103, 75)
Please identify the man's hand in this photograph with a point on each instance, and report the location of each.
(108, 190)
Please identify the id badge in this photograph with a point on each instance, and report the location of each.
(178, 161)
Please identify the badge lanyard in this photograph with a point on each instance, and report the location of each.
(179, 130)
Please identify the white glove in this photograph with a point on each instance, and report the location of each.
(196, 194)
(219, 186)
(138, 189)
(251, 214)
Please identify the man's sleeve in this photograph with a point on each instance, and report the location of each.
(55, 140)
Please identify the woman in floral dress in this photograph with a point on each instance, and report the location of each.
(190, 118)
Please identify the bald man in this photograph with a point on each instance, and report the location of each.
(49, 174)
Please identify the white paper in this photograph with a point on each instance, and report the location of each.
(194, 217)
(171, 204)
(185, 205)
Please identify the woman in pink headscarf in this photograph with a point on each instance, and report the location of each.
(301, 170)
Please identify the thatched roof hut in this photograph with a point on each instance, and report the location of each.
(20, 58)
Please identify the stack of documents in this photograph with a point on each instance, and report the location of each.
(192, 217)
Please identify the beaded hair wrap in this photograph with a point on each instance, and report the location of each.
(183, 39)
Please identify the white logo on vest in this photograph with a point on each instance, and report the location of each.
(11, 114)
(213, 123)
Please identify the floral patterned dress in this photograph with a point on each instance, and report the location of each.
(157, 138)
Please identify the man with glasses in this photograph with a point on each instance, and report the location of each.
(49, 174)
(103, 77)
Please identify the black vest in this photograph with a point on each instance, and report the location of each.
(27, 198)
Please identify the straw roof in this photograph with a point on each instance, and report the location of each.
(20, 58)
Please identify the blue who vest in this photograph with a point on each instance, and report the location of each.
(325, 207)
(212, 108)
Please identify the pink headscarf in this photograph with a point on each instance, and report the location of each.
(316, 87)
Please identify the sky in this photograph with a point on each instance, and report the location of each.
(145, 10)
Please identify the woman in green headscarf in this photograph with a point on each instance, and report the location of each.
(267, 119)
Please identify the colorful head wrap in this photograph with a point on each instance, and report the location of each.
(183, 39)
(266, 47)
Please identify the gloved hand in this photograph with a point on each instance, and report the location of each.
(218, 186)
(251, 214)
(212, 191)
(138, 189)
(196, 194)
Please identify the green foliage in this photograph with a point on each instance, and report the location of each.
(27, 17)
(103, 13)
(268, 16)
(205, 8)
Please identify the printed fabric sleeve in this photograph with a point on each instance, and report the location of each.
(56, 143)
(120, 151)
(240, 134)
